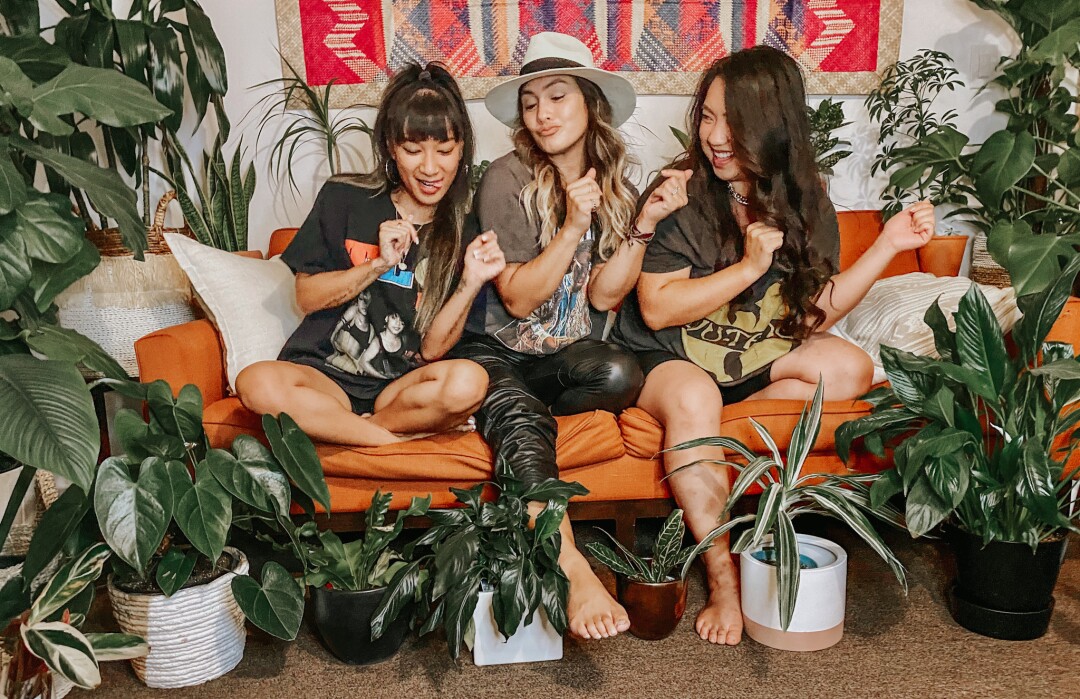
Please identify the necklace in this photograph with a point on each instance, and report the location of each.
(736, 196)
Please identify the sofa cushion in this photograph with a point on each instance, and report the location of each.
(584, 439)
(643, 435)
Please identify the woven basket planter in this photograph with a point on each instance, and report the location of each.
(983, 268)
(195, 636)
(124, 299)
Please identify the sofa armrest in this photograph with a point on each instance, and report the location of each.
(1067, 327)
(183, 354)
(943, 255)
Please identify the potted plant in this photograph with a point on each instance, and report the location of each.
(793, 586)
(349, 581)
(653, 590)
(827, 117)
(494, 575)
(983, 439)
(166, 509)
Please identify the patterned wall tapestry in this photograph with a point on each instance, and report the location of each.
(660, 45)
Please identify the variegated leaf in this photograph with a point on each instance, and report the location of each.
(69, 581)
(64, 650)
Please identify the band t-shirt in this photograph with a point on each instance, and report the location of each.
(370, 340)
(564, 318)
(737, 341)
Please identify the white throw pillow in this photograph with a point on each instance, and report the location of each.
(892, 313)
(252, 302)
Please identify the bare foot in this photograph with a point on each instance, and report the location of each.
(720, 621)
(593, 613)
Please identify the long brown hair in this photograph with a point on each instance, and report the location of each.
(605, 150)
(766, 112)
(418, 104)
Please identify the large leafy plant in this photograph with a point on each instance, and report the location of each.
(670, 560)
(367, 562)
(166, 45)
(788, 493)
(982, 435)
(486, 544)
(826, 118)
(171, 500)
(47, 634)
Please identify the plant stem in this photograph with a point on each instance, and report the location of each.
(1048, 200)
(1051, 181)
(26, 476)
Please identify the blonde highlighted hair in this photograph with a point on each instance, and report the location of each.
(545, 196)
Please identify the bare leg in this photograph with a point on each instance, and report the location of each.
(687, 403)
(319, 406)
(592, 611)
(844, 367)
(433, 398)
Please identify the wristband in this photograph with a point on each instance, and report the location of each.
(638, 236)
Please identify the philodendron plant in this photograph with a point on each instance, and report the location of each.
(788, 493)
(169, 504)
(981, 435)
(49, 632)
(368, 562)
(492, 545)
(670, 560)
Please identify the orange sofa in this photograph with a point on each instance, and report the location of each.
(612, 456)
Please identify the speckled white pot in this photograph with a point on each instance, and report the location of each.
(195, 636)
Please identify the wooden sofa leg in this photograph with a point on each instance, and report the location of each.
(626, 529)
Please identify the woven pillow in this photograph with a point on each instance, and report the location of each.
(252, 302)
(892, 313)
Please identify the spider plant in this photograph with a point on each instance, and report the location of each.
(668, 556)
(315, 124)
(788, 493)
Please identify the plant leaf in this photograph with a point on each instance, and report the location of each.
(252, 476)
(296, 454)
(102, 94)
(65, 651)
(117, 646)
(130, 514)
(787, 567)
(174, 569)
(276, 606)
(205, 513)
(68, 582)
(400, 593)
(609, 558)
(454, 560)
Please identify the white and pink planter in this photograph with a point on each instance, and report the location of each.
(818, 621)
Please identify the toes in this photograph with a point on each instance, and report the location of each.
(578, 629)
(734, 636)
(593, 633)
(611, 627)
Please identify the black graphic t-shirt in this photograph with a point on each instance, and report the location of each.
(737, 341)
(564, 318)
(367, 342)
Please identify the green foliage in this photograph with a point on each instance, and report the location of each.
(486, 543)
(318, 123)
(668, 557)
(919, 167)
(218, 211)
(826, 118)
(172, 500)
(982, 436)
(48, 629)
(786, 494)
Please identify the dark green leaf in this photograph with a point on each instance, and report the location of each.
(296, 454)
(168, 80)
(276, 606)
(512, 594)
(48, 280)
(925, 508)
(554, 590)
(1058, 45)
(208, 49)
(1000, 163)
(204, 514)
(134, 48)
(130, 513)
(1037, 260)
(36, 57)
(54, 342)
(554, 489)
(101, 94)
(1041, 311)
(252, 476)
(549, 520)
(980, 344)
(944, 338)
(400, 594)
(454, 559)
(888, 485)
(174, 569)
(57, 524)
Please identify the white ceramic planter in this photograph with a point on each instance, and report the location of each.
(195, 636)
(534, 643)
(818, 621)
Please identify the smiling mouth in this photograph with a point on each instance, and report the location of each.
(429, 184)
(722, 157)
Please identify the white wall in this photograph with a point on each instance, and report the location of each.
(247, 28)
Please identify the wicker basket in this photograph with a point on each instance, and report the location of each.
(983, 268)
(123, 299)
(26, 520)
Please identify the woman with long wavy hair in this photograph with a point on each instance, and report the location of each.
(739, 285)
(385, 282)
(564, 213)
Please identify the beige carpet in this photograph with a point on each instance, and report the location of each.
(893, 647)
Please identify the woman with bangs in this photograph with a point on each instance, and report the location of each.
(384, 284)
(739, 285)
(564, 213)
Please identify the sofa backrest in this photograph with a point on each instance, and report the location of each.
(858, 231)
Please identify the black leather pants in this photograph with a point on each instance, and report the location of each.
(525, 392)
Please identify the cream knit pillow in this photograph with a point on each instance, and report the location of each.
(252, 302)
(892, 313)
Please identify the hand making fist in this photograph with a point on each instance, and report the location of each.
(582, 199)
(666, 199)
(910, 229)
(761, 241)
(484, 259)
(395, 237)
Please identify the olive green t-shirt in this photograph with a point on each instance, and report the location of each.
(737, 341)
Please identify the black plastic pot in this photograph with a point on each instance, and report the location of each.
(1004, 590)
(343, 618)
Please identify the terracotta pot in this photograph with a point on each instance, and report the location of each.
(654, 608)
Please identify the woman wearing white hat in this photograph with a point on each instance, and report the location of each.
(564, 214)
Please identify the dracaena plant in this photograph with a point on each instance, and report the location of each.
(170, 502)
(787, 493)
(982, 434)
(45, 640)
(486, 544)
(368, 562)
(670, 560)
(827, 117)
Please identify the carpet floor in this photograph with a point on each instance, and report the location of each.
(894, 646)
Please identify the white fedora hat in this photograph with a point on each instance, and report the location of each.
(550, 53)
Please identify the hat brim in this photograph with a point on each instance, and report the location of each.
(502, 100)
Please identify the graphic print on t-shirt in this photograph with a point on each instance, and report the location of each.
(562, 319)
